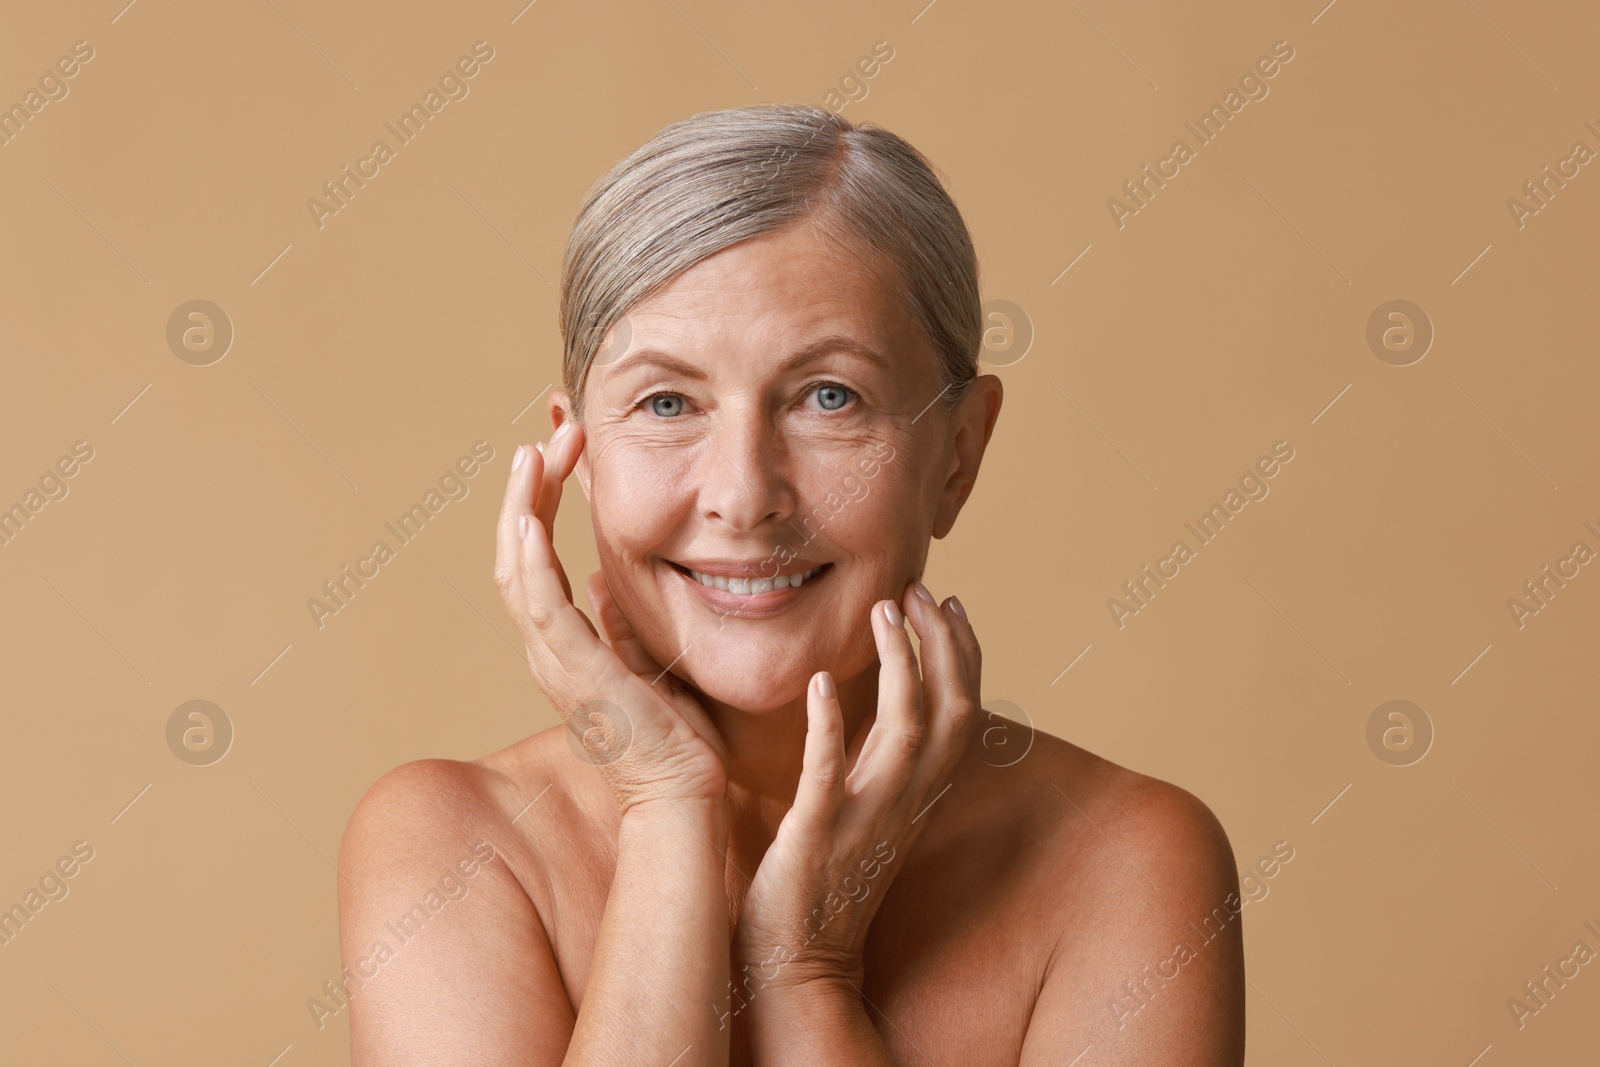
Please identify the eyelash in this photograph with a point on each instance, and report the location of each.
(813, 387)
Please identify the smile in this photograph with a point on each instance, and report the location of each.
(748, 595)
(753, 586)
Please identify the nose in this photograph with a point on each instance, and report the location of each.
(744, 480)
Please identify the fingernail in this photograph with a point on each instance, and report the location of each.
(560, 430)
(825, 686)
(522, 528)
(891, 611)
(922, 592)
(516, 460)
(540, 446)
(955, 606)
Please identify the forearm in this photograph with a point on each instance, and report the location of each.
(814, 1022)
(662, 951)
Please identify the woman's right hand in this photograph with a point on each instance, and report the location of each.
(649, 738)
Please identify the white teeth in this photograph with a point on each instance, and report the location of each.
(753, 586)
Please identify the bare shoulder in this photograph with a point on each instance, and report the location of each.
(435, 914)
(1138, 822)
(448, 793)
(1148, 948)
(1090, 844)
(429, 832)
(423, 813)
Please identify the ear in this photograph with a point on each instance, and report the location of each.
(972, 423)
(560, 405)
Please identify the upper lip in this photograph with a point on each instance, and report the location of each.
(744, 568)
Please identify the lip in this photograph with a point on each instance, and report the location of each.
(751, 606)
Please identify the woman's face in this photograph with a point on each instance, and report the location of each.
(769, 414)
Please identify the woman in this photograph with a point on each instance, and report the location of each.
(785, 840)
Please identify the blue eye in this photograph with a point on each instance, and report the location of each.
(832, 397)
(667, 405)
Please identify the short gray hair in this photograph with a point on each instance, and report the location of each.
(705, 183)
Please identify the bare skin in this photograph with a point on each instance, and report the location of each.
(806, 805)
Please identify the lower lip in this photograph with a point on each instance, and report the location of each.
(754, 605)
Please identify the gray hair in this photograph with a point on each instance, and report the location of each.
(705, 183)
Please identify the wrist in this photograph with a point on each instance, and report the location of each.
(783, 967)
(709, 815)
(791, 1003)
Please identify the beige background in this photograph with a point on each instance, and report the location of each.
(1228, 314)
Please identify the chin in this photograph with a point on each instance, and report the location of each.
(751, 667)
(751, 691)
(756, 668)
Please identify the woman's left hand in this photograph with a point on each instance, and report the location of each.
(822, 880)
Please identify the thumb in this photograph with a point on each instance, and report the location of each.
(617, 630)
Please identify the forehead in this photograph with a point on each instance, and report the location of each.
(786, 286)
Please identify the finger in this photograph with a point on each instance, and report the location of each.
(532, 474)
(560, 455)
(547, 613)
(899, 731)
(967, 641)
(822, 766)
(947, 698)
(944, 670)
(592, 629)
(858, 743)
(508, 544)
(617, 630)
(630, 651)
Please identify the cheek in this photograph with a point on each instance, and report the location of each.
(877, 520)
(636, 496)
(884, 482)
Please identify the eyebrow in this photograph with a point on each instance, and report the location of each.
(822, 346)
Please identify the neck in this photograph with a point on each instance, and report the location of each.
(766, 749)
